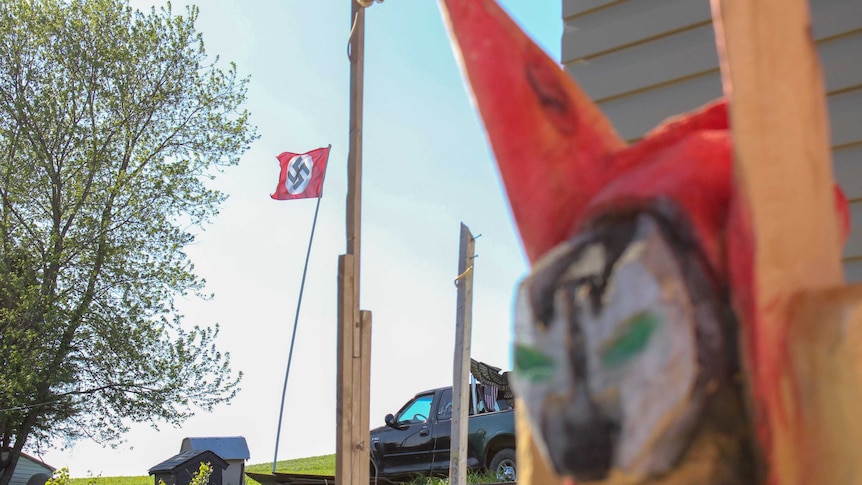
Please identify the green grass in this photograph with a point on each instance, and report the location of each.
(145, 480)
(314, 465)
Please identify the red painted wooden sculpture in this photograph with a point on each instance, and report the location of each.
(627, 351)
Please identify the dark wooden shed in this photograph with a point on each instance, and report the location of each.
(179, 469)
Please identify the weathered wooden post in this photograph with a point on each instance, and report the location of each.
(808, 374)
(354, 326)
(461, 361)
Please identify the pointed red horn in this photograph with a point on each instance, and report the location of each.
(551, 142)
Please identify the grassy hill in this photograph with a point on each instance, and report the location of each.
(313, 465)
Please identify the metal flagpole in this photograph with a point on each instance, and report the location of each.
(293, 336)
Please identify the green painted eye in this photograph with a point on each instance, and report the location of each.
(637, 333)
(533, 365)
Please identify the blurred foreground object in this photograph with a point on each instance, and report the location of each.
(684, 321)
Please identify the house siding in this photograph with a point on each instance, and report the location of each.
(25, 469)
(643, 61)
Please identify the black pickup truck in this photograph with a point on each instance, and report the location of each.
(416, 439)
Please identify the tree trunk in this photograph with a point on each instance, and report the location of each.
(15, 453)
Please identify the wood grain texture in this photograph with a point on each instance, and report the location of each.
(532, 467)
(461, 359)
(825, 341)
(345, 424)
(772, 76)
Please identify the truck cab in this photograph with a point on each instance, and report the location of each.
(416, 440)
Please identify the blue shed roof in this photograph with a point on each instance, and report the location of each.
(227, 447)
(178, 460)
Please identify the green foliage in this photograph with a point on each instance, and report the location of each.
(61, 477)
(111, 123)
(472, 478)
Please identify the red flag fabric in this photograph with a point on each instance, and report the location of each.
(301, 174)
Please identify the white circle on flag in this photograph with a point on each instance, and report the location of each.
(299, 171)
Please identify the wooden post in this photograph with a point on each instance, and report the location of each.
(354, 155)
(354, 327)
(345, 422)
(461, 362)
(533, 469)
(805, 349)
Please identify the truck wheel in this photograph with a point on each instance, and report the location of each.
(503, 465)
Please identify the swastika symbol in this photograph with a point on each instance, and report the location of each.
(298, 174)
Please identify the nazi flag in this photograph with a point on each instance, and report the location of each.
(301, 174)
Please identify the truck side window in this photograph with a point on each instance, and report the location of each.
(444, 411)
(417, 410)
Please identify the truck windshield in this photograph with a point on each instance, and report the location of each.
(417, 410)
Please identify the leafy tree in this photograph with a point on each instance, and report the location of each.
(111, 123)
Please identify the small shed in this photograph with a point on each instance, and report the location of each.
(29, 470)
(179, 469)
(232, 449)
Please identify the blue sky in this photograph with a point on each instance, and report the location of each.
(427, 168)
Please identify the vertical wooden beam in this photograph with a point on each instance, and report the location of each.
(354, 327)
(825, 353)
(362, 379)
(532, 467)
(772, 77)
(461, 361)
(354, 155)
(345, 416)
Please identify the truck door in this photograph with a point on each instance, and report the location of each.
(406, 445)
(442, 434)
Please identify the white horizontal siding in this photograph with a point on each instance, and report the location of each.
(635, 114)
(853, 271)
(27, 468)
(627, 23)
(571, 9)
(853, 248)
(648, 64)
(646, 60)
(845, 117)
(848, 170)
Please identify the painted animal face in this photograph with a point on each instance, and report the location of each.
(621, 341)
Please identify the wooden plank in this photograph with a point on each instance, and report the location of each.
(362, 398)
(782, 167)
(628, 23)
(354, 155)
(461, 360)
(344, 375)
(352, 442)
(533, 469)
(826, 353)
